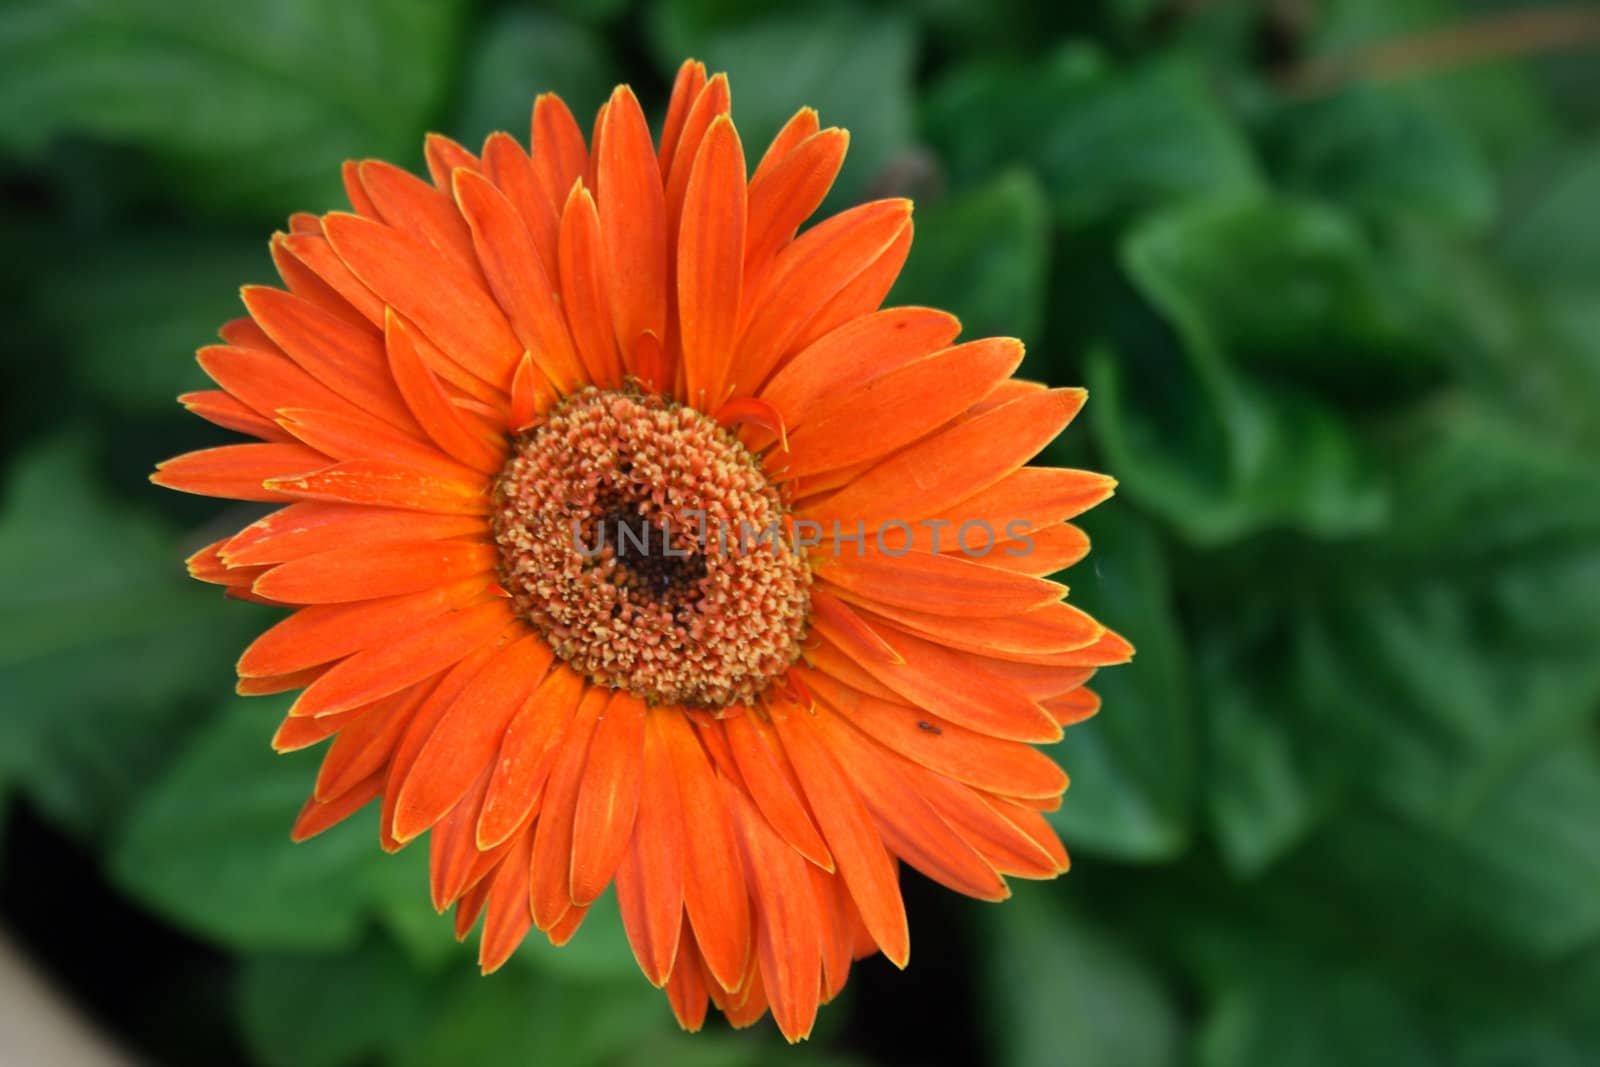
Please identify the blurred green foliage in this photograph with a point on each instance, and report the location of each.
(1344, 351)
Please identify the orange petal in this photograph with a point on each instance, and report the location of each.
(374, 673)
(686, 986)
(1112, 648)
(509, 168)
(1037, 829)
(583, 289)
(444, 156)
(316, 817)
(633, 219)
(306, 528)
(360, 202)
(901, 406)
(446, 303)
(849, 357)
(465, 741)
(862, 295)
(238, 472)
(508, 915)
(560, 156)
(711, 261)
(438, 701)
(518, 279)
(550, 890)
(1052, 628)
(267, 381)
(998, 840)
(842, 625)
(772, 786)
(1036, 680)
(345, 356)
(712, 101)
(789, 933)
(383, 484)
(364, 572)
(293, 733)
(952, 465)
(1024, 500)
(1071, 708)
(469, 907)
(366, 739)
(317, 255)
(415, 208)
(801, 125)
(244, 333)
(784, 194)
(686, 86)
(651, 874)
(454, 862)
(863, 861)
(306, 283)
(608, 797)
(940, 745)
(714, 890)
(279, 683)
(208, 565)
(1040, 550)
(840, 921)
(933, 583)
(430, 404)
(221, 409)
(938, 679)
(805, 276)
(359, 437)
(326, 632)
(527, 752)
(911, 827)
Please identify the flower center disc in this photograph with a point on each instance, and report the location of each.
(643, 541)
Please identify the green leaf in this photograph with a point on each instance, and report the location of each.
(519, 54)
(1221, 453)
(1462, 644)
(1530, 352)
(328, 1011)
(1331, 320)
(599, 952)
(1516, 872)
(1132, 767)
(984, 257)
(1555, 237)
(105, 644)
(1265, 790)
(208, 846)
(1385, 156)
(247, 107)
(590, 11)
(1105, 143)
(1496, 102)
(516, 1016)
(1058, 989)
(1283, 1009)
(855, 69)
(367, 1005)
(156, 298)
(1220, 456)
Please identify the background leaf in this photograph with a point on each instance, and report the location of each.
(983, 256)
(265, 118)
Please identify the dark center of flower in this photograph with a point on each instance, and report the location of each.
(644, 542)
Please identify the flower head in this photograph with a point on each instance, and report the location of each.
(627, 541)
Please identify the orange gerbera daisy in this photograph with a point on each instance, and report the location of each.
(627, 540)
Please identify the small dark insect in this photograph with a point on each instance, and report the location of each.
(928, 726)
